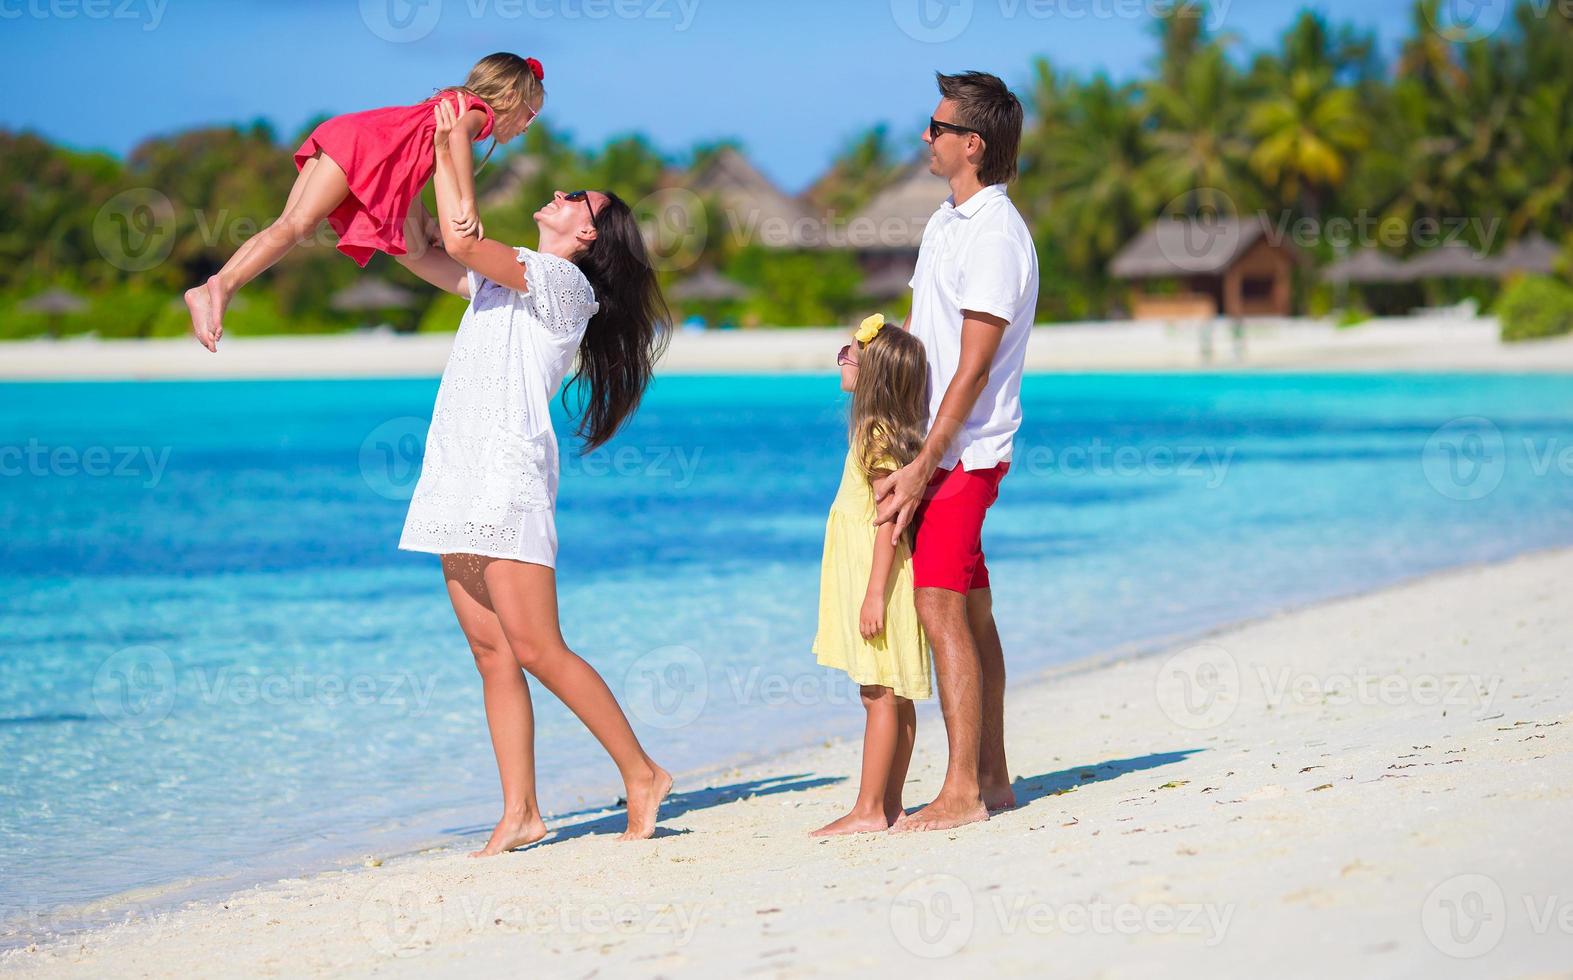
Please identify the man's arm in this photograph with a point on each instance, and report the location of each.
(900, 493)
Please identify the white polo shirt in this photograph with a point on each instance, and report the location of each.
(980, 257)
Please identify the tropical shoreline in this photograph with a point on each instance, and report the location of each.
(1398, 344)
(1362, 832)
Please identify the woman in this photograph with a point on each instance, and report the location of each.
(488, 485)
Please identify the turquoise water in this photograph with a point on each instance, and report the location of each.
(216, 667)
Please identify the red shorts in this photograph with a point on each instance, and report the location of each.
(948, 549)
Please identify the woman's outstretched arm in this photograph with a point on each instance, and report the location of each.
(494, 260)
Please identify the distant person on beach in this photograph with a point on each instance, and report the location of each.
(363, 173)
(586, 300)
(974, 295)
(868, 625)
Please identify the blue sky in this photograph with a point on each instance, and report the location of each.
(792, 80)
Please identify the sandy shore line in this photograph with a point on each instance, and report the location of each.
(1378, 786)
(1398, 344)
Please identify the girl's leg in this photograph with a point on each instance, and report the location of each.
(525, 597)
(508, 711)
(881, 740)
(320, 187)
(906, 736)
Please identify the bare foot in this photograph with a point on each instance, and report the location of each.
(513, 833)
(943, 814)
(997, 798)
(219, 302)
(644, 804)
(854, 823)
(201, 306)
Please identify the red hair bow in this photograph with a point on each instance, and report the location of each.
(536, 69)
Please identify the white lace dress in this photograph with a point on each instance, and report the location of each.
(488, 483)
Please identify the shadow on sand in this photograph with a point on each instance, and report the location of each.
(1032, 788)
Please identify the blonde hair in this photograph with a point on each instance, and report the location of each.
(505, 82)
(889, 402)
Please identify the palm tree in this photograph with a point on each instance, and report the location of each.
(1306, 136)
(1100, 178)
(1196, 142)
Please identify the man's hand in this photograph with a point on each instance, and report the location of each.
(899, 494)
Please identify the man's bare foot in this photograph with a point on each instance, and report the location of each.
(997, 798)
(513, 833)
(219, 302)
(943, 814)
(644, 804)
(855, 822)
(200, 303)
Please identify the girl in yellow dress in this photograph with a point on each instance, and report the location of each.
(868, 625)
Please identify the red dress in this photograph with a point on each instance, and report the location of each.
(388, 156)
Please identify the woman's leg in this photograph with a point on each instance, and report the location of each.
(525, 598)
(509, 714)
(881, 742)
(319, 188)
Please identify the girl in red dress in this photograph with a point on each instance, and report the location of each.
(361, 172)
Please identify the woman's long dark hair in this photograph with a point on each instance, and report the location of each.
(627, 335)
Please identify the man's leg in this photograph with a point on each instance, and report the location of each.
(993, 771)
(943, 613)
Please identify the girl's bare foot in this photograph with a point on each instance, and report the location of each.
(856, 822)
(513, 833)
(644, 803)
(218, 302)
(200, 303)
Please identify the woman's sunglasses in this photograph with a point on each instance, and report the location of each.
(577, 196)
(938, 129)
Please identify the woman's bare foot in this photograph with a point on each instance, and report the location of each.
(200, 303)
(856, 822)
(219, 303)
(513, 833)
(644, 803)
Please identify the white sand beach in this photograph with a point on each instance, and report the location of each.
(1408, 343)
(1377, 786)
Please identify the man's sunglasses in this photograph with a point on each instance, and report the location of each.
(938, 129)
(577, 196)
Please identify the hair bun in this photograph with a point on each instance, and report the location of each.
(536, 69)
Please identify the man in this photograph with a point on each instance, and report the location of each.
(973, 298)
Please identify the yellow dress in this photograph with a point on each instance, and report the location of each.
(899, 657)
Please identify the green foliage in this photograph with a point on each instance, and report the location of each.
(1535, 306)
(797, 288)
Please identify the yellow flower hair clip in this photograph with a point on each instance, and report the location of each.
(869, 328)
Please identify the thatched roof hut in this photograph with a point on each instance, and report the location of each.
(1229, 266)
(707, 285)
(753, 207)
(895, 218)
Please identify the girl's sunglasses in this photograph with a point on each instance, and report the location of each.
(844, 357)
(577, 196)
